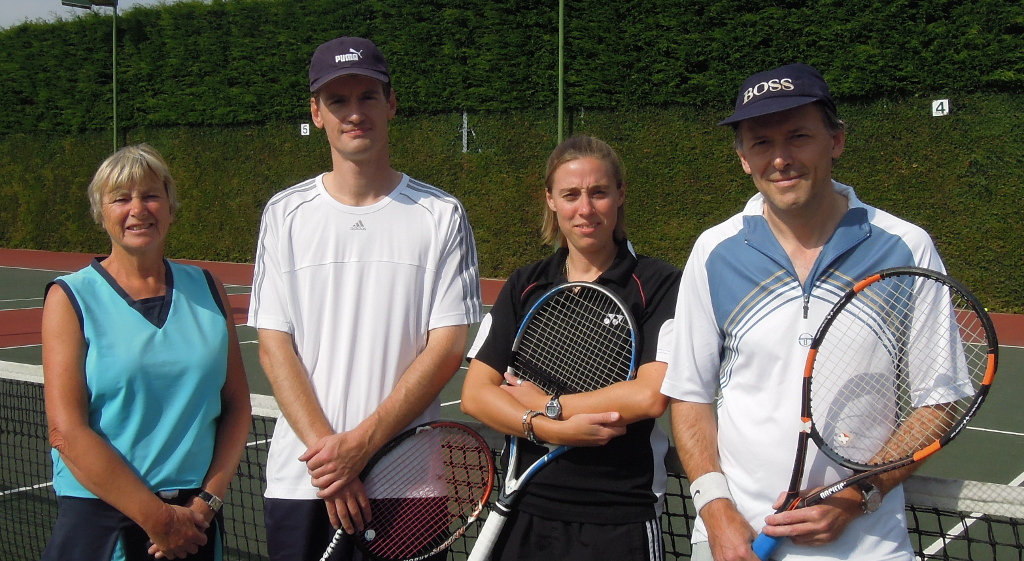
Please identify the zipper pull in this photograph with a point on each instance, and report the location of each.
(807, 301)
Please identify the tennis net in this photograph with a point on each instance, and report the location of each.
(949, 519)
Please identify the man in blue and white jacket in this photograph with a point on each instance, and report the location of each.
(754, 290)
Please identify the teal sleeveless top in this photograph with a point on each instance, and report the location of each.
(154, 370)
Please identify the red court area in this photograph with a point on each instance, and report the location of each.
(21, 327)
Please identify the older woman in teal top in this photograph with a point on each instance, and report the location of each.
(146, 395)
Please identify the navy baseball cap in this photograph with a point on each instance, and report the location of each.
(780, 89)
(346, 55)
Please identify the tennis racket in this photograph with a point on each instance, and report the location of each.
(426, 486)
(897, 369)
(578, 337)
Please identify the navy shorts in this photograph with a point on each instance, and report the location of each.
(89, 529)
(300, 530)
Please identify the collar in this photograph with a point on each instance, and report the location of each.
(853, 228)
(619, 272)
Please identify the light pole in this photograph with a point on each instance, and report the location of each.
(87, 5)
(561, 66)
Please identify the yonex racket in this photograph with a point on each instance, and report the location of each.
(897, 369)
(426, 486)
(578, 337)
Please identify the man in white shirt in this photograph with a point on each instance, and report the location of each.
(365, 284)
(753, 292)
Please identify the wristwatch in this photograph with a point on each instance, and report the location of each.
(872, 497)
(214, 501)
(553, 409)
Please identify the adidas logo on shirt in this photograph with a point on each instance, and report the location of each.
(358, 226)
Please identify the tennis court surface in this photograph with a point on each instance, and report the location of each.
(966, 505)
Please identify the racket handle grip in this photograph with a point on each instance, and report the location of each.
(484, 543)
(764, 546)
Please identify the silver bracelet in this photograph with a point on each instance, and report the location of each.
(528, 425)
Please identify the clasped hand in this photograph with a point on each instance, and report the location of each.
(182, 533)
(334, 463)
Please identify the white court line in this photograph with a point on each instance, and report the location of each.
(29, 488)
(35, 269)
(9, 300)
(1011, 433)
(961, 527)
(457, 401)
(21, 347)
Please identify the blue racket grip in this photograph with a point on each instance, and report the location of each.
(764, 546)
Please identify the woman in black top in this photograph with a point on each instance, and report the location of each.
(603, 499)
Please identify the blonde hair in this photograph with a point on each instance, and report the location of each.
(575, 148)
(125, 167)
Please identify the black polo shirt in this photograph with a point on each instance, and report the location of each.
(621, 482)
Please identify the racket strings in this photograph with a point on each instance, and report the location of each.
(578, 342)
(898, 367)
(425, 491)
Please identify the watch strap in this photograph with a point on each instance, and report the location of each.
(212, 500)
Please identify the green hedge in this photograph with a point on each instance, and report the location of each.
(219, 86)
(234, 62)
(957, 176)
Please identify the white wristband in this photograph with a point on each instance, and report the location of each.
(708, 487)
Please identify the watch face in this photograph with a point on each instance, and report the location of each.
(553, 409)
(872, 499)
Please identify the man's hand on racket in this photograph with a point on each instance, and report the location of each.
(334, 463)
(348, 508)
(820, 524)
(336, 460)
